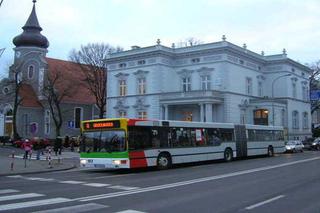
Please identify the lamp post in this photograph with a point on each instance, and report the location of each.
(272, 88)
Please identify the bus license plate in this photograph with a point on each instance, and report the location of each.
(99, 166)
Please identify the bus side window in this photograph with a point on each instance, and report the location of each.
(155, 138)
(214, 137)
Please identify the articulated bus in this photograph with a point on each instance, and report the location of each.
(136, 143)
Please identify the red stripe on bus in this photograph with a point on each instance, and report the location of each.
(132, 122)
(137, 159)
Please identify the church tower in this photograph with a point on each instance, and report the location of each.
(30, 52)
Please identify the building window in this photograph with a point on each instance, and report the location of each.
(25, 123)
(260, 89)
(195, 60)
(205, 82)
(260, 117)
(47, 122)
(294, 90)
(305, 120)
(186, 84)
(30, 71)
(77, 117)
(142, 114)
(141, 86)
(122, 87)
(295, 120)
(248, 86)
(141, 62)
(122, 114)
(304, 93)
(122, 65)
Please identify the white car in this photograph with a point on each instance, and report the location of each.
(294, 146)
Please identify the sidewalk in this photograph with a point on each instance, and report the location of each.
(67, 160)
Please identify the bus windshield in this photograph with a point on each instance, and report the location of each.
(103, 141)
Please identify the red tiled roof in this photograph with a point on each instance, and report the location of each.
(70, 76)
(28, 96)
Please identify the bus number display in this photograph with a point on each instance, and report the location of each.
(101, 125)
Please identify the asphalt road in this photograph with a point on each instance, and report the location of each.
(284, 183)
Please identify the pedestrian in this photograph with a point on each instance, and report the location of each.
(72, 143)
(66, 141)
(37, 147)
(57, 146)
(26, 146)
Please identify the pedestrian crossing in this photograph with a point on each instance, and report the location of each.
(25, 202)
(75, 182)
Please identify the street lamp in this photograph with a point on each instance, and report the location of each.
(274, 80)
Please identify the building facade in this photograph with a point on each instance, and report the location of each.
(32, 69)
(215, 82)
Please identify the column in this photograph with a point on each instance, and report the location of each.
(166, 112)
(201, 113)
(208, 112)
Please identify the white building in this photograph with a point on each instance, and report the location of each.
(218, 82)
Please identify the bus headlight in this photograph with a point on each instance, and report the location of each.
(83, 161)
(116, 162)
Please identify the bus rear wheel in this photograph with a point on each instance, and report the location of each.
(228, 155)
(164, 161)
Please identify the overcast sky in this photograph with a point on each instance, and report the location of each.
(268, 25)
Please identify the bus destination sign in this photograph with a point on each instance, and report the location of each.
(101, 125)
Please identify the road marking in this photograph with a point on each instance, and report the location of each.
(33, 203)
(6, 191)
(264, 202)
(188, 182)
(72, 182)
(76, 209)
(97, 184)
(15, 176)
(130, 211)
(123, 187)
(19, 196)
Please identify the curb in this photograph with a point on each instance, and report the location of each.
(39, 172)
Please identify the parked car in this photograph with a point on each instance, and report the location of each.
(315, 144)
(294, 146)
(307, 143)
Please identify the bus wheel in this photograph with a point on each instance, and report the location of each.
(270, 151)
(164, 161)
(228, 155)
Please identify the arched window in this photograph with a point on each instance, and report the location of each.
(295, 120)
(305, 120)
(30, 71)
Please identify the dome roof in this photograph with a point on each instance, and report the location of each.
(31, 35)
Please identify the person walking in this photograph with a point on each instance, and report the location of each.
(57, 146)
(26, 146)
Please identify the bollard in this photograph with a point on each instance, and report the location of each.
(49, 158)
(12, 162)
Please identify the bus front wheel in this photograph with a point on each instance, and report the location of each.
(164, 161)
(228, 155)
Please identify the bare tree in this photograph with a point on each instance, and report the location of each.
(314, 84)
(12, 94)
(91, 59)
(58, 87)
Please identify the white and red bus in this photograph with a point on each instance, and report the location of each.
(135, 143)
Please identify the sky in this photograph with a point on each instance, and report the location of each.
(268, 25)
